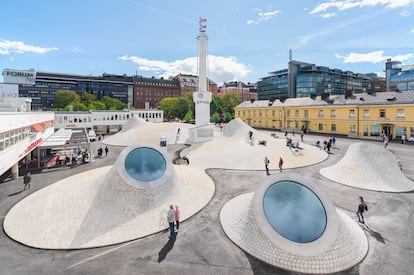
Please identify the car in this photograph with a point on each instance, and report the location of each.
(411, 139)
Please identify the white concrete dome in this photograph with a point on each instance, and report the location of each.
(302, 233)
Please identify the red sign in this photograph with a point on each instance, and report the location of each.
(32, 146)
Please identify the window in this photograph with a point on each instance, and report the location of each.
(280, 113)
(288, 113)
(305, 114)
(333, 127)
(296, 124)
(280, 124)
(288, 124)
(352, 128)
(333, 113)
(351, 113)
(296, 113)
(366, 113)
(382, 113)
(320, 127)
(273, 113)
(320, 113)
(400, 113)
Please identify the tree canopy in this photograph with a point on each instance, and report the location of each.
(65, 98)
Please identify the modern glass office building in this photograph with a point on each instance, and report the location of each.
(41, 87)
(304, 80)
(399, 78)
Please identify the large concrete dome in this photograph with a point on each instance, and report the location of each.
(109, 205)
(290, 223)
(369, 166)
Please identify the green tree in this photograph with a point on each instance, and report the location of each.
(188, 117)
(77, 106)
(182, 107)
(227, 117)
(63, 98)
(216, 117)
(87, 98)
(167, 105)
(96, 105)
(113, 103)
(230, 100)
(216, 105)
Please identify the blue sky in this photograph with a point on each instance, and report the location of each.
(246, 39)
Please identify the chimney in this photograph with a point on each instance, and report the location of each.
(313, 96)
(348, 93)
(252, 100)
(324, 96)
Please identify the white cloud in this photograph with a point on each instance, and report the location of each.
(263, 16)
(372, 57)
(76, 50)
(8, 46)
(220, 68)
(349, 4)
(327, 15)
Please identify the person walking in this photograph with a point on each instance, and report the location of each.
(333, 142)
(106, 151)
(26, 180)
(280, 164)
(177, 218)
(266, 162)
(362, 207)
(301, 136)
(171, 220)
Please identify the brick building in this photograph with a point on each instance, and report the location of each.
(148, 91)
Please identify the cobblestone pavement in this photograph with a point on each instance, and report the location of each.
(201, 246)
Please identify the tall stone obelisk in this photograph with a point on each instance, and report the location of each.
(202, 97)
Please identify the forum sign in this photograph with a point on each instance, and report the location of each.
(19, 76)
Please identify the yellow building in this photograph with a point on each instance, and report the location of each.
(390, 113)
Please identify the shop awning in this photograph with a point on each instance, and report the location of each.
(46, 124)
(54, 121)
(38, 127)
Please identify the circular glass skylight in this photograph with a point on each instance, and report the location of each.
(145, 164)
(294, 211)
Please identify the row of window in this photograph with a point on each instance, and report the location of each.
(103, 117)
(10, 138)
(366, 114)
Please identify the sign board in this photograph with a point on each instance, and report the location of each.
(19, 76)
(9, 90)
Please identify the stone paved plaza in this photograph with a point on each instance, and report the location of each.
(201, 246)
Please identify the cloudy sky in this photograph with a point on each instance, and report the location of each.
(246, 39)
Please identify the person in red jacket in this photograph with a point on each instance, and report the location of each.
(280, 164)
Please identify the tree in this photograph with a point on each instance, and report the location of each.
(65, 97)
(113, 103)
(87, 98)
(216, 117)
(227, 117)
(188, 117)
(96, 105)
(167, 105)
(230, 100)
(77, 106)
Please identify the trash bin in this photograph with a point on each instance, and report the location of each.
(163, 142)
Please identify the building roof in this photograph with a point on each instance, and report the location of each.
(41, 76)
(156, 81)
(383, 98)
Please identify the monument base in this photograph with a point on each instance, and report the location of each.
(201, 133)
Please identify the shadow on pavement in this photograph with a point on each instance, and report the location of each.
(374, 234)
(18, 192)
(167, 248)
